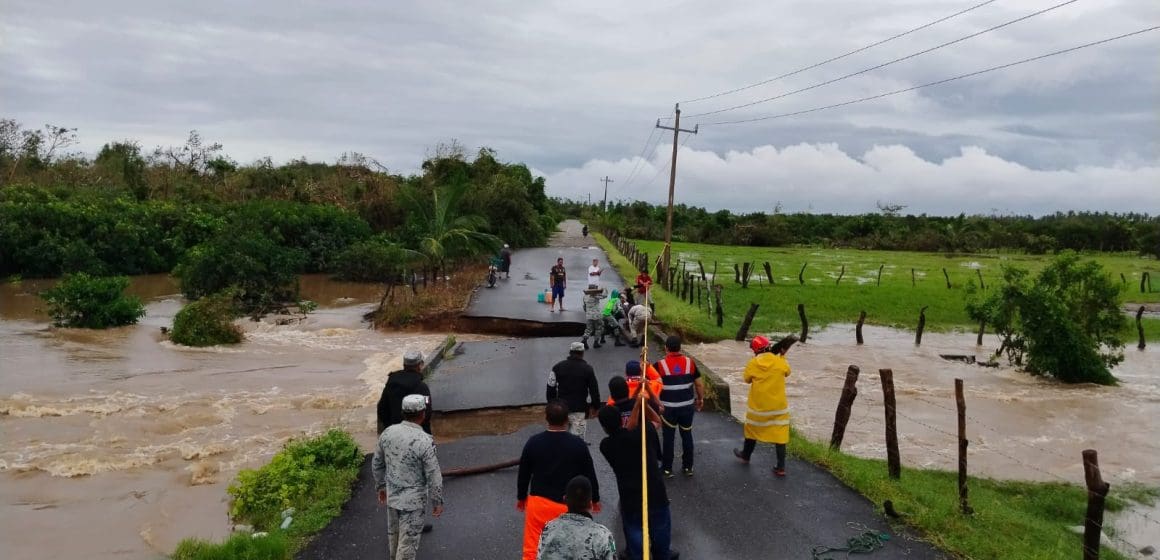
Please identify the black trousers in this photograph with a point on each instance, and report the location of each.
(751, 444)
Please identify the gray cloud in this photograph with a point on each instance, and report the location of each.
(572, 88)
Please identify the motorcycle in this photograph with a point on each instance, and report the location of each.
(492, 273)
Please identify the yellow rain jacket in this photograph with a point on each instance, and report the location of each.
(767, 417)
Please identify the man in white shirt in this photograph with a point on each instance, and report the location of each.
(594, 272)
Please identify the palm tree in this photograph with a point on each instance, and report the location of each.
(448, 232)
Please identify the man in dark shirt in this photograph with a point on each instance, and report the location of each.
(683, 395)
(549, 460)
(407, 381)
(505, 256)
(558, 279)
(622, 449)
(574, 381)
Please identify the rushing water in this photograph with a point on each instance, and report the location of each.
(117, 443)
(1019, 426)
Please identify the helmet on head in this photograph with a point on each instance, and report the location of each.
(758, 343)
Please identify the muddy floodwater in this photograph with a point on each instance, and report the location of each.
(1019, 426)
(118, 444)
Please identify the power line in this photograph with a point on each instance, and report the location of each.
(840, 57)
(885, 64)
(666, 168)
(939, 82)
(640, 158)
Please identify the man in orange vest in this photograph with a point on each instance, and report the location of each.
(683, 395)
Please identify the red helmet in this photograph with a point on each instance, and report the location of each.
(758, 343)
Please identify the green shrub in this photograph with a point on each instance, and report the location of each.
(207, 322)
(374, 260)
(92, 302)
(301, 476)
(239, 546)
(263, 273)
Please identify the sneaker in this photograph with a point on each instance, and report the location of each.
(780, 473)
(737, 453)
(668, 474)
(689, 472)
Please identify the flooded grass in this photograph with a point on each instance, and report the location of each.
(1027, 520)
(895, 303)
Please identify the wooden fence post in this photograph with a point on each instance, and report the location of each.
(693, 282)
(921, 326)
(1123, 279)
(893, 463)
(982, 285)
(948, 277)
(982, 328)
(1097, 492)
(1140, 326)
(736, 274)
(702, 267)
(880, 267)
(769, 273)
(961, 405)
(842, 416)
(714, 281)
(805, 323)
(720, 309)
(744, 330)
(840, 275)
(801, 279)
(1145, 281)
(912, 284)
(858, 329)
(745, 275)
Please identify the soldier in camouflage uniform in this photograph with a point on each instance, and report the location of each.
(407, 472)
(574, 535)
(593, 315)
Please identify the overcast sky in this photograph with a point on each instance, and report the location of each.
(573, 89)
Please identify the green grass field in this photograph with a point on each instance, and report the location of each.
(894, 303)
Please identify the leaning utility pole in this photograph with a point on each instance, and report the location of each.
(606, 180)
(676, 128)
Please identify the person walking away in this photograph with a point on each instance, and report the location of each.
(594, 272)
(638, 318)
(558, 280)
(767, 414)
(622, 450)
(610, 317)
(400, 383)
(406, 473)
(505, 256)
(593, 315)
(574, 535)
(683, 395)
(584, 230)
(574, 381)
(550, 459)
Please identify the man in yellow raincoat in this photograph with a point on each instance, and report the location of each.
(767, 416)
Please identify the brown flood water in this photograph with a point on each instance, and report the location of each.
(1019, 426)
(126, 443)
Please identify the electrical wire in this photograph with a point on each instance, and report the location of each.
(840, 57)
(885, 64)
(668, 167)
(627, 181)
(938, 82)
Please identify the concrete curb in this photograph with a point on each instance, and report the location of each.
(718, 388)
(436, 357)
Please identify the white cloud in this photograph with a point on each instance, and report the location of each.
(821, 177)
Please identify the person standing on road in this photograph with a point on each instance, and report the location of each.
(505, 256)
(767, 415)
(638, 318)
(682, 396)
(558, 279)
(593, 316)
(622, 450)
(407, 381)
(594, 272)
(406, 473)
(550, 460)
(574, 381)
(574, 535)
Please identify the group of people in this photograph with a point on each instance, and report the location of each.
(557, 489)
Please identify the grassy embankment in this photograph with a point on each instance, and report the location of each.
(1023, 520)
(895, 303)
(313, 476)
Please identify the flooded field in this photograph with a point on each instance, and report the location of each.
(129, 441)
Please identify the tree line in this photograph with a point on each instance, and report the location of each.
(888, 229)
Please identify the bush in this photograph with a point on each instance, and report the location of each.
(374, 260)
(263, 273)
(92, 302)
(239, 546)
(1064, 323)
(299, 476)
(207, 322)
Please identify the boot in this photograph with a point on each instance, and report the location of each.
(616, 342)
(585, 341)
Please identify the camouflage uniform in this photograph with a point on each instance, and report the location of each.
(636, 322)
(593, 315)
(575, 536)
(406, 467)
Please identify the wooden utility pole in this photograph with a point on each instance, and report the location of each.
(677, 130)
(605, 180)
